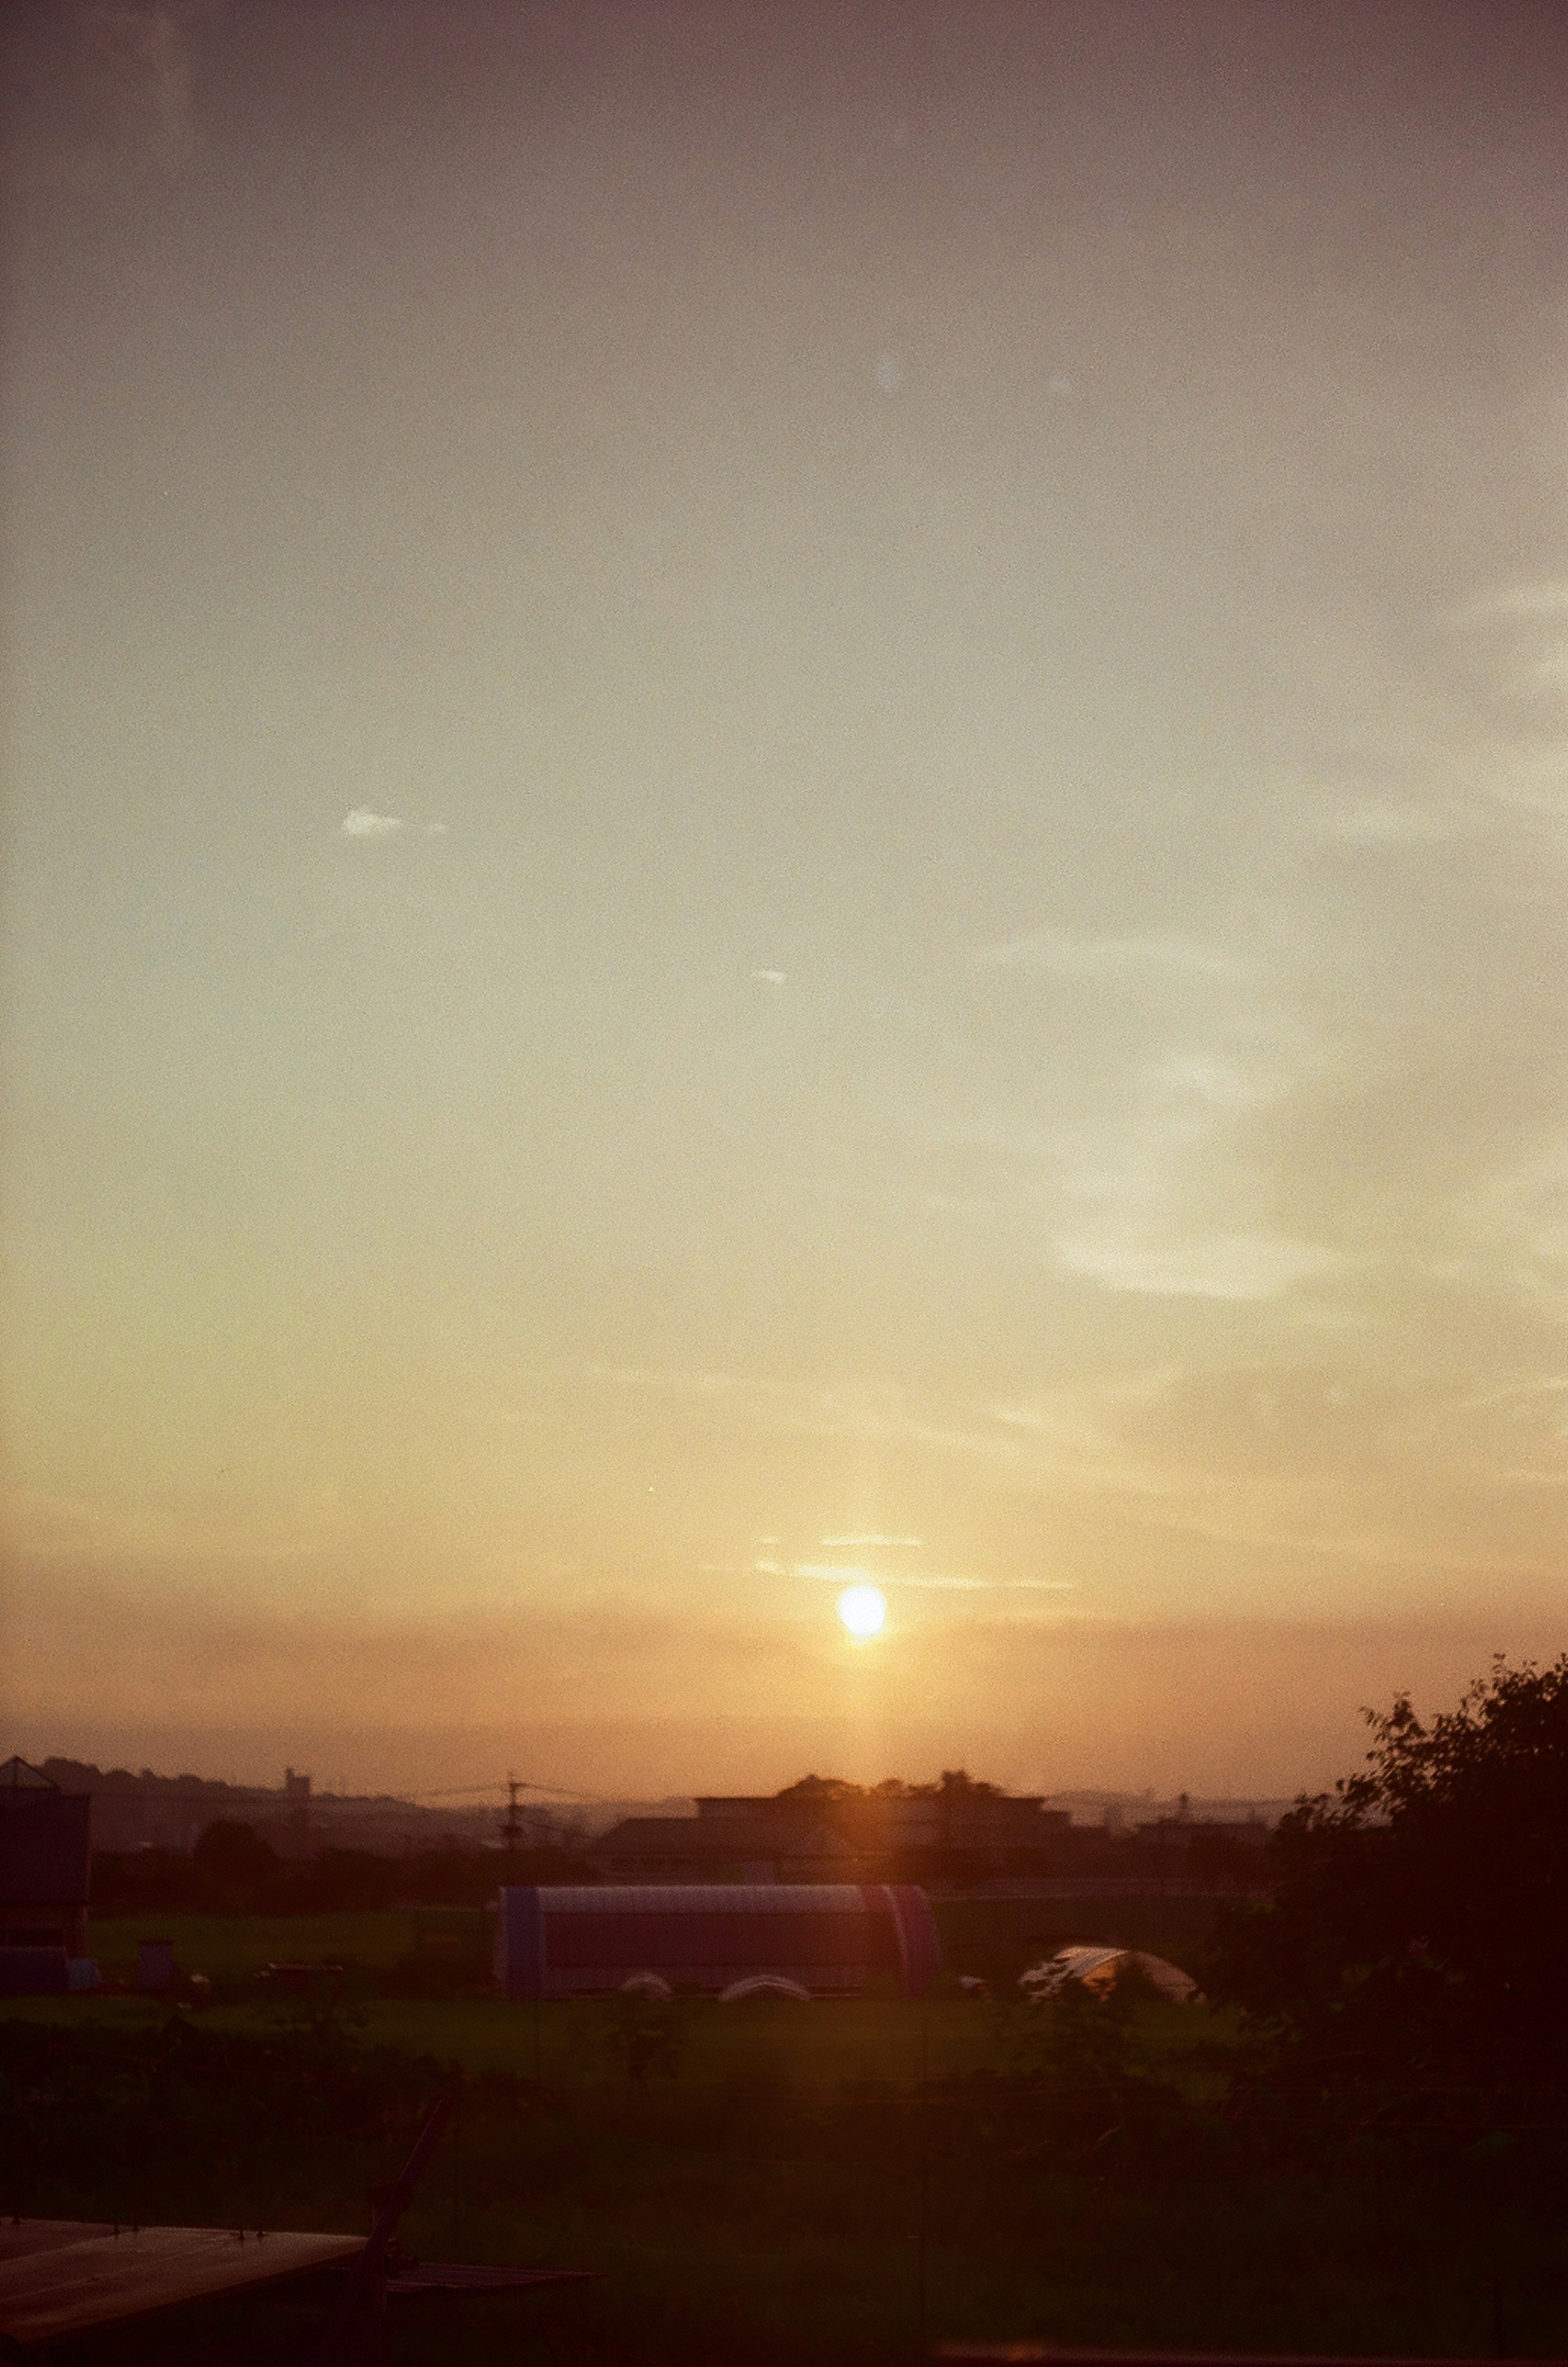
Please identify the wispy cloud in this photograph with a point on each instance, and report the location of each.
(1098, 957)
(1549, 598)
(872, 1539)
(828, 1569)
(1219, 1266)
(155, 43)
(118, 96)
(1392, 821)
(1154, 1184)
(363, 821)
(924, 1581)
(1517, 1217)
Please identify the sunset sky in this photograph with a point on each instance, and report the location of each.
(788, 795)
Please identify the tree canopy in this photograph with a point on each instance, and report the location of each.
(1419, 1913)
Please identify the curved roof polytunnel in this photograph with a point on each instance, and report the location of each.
(831, 1939)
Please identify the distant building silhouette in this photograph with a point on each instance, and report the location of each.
(297, 1807)
(45, 1859)
(735, 1845)
(821, 1830)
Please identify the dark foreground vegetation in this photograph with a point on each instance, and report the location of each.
(1113, 2174)
(1108, 2172)
(1360, 2146)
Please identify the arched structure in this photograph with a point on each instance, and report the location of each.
(832, 1938)
(1100, 1968)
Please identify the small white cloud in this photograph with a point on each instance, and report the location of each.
(889, 373)
(363, 821)
(769, 977)
(1069, 956)
(1218, 1265)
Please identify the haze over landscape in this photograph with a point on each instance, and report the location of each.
(788, 804)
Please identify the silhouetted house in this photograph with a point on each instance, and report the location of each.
(995, 1828)
(722, 1848)
(45, 1857)
(820, 1830)
(955, 1826)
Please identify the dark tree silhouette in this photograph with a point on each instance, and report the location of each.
(1420, 1911)
(233, 1866)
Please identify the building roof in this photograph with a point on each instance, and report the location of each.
(725, 1838)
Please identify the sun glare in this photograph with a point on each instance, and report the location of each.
(862, 1609)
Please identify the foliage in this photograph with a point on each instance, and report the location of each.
(1419, 1912)
(1075, 2035)
(645, 2038)
(225, 1873)
(137, 2121)
(773, 2205)
(1076, 2078)
(234, 1868)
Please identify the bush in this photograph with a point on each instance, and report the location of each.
(135, 2122)
(1419, 1913)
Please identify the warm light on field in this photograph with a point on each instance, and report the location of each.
(862, 1609)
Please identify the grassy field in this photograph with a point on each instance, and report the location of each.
(846, 2182)
(815, 2050)
(993, 1937)
(235, 1946)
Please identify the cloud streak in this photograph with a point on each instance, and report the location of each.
(1055, 951)
(1218, 1265)
(922, 1581)
(872, 1539)
(364, 822)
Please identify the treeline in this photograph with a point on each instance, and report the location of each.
(1406, 1968)
(233, 1870)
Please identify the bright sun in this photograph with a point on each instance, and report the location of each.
(862, 1609)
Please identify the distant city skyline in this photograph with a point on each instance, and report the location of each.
(787, 808)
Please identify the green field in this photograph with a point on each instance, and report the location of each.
(815, 2050)
(234, 1946)
(993, 1937)
(835, 2184)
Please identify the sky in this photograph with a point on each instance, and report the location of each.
(786, 796)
